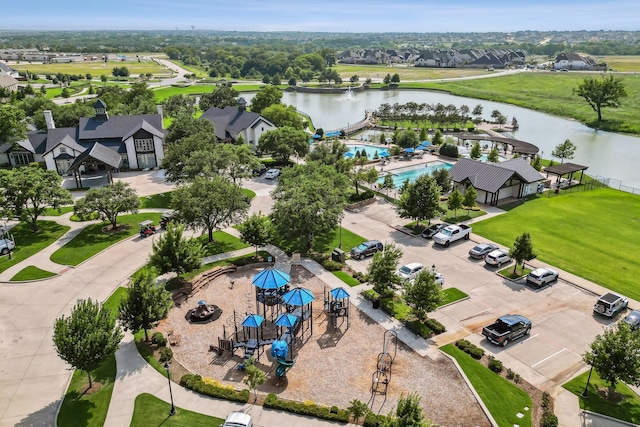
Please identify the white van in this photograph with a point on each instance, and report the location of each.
(6, 246)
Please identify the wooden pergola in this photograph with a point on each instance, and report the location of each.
(565, 169)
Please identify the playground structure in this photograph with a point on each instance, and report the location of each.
(336, 306)
(382, 376)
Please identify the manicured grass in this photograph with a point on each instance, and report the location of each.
(248, 193)
(95, 68)
(627, 410)
(346, 278)
(502, 398)
(520, 272)
(150, 411)
(326, 244)
(57, 212)
(167, 92)
(451, 295)
(113, 302)
(551, 93)
(156, 201)
(29, 243)
(592, 234)
(405, 73)
(222, 242)
(93, 239)
(239, 260)
(31, 272)
(147, 353)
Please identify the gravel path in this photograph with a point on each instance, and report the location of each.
(333, 366)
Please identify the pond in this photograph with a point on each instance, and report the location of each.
(605, 153)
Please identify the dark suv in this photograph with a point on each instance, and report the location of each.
(366, 249)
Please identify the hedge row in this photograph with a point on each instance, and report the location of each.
(196, 383)
(471, 349)
(307, 408)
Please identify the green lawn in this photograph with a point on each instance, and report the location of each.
(248, 193)
(401, 311)
(156, 201)
(31, 272)
(222, 242)
(346, 278)
(551, 93)
(326, 244)
(503, 399)
(147, 354)
(150, 411)
(88, 410)
(592, 234)
(29, 243)
(92, 239)
(627, 410)
(451, 295)
(57, 212)
(113, 302)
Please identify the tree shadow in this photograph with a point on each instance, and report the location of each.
(43, 417)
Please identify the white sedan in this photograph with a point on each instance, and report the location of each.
(409, 272)
(272, 174)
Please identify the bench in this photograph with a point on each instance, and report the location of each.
(184, 293)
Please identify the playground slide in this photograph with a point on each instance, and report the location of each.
(283, 366)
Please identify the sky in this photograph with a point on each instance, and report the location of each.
(355, 16)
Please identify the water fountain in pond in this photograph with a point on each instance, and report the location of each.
(348, 95)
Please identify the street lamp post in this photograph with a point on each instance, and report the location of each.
(173, 408)
(340, 245)
(585, 392)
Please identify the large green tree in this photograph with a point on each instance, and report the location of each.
(615, 355)
(309, 203)
(361, 173)
(27, 192)
(331, 152)
(469, 199)
(268, 95)
(179, 104)
(108, 202)
(87, 337)
(257, 230)
(145, 304)
(222, 96)
(209, 204)
(407, 139)
(233, 161)
(522, 250)
(381, 272)
(173, 251)
(13, 125)
(455, 202)
(284, 142)
(423, 294)
(476, 152)
(420, 200)
(601, 92)
(566, 150)
(283, 115)
(443, 179)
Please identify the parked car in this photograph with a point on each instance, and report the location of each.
(507, 328)
(238, 419)
(259, 171)
(497, 257)
(433, 229)
(481, 249)
(366, 249)
(410, 271)
(272, 174)
(542, 276)
(451, 234)
(633, 319)
(610, 304)
(6, 246)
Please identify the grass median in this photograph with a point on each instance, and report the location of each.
(149, 411)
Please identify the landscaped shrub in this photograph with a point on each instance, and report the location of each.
(359, 276)
(463, 345)
(549, 420)
(435, 326)
(373, 419)
(197, 384)
(471, 349)
(495, 365)
(159, 339)
(546, 399)
(363, 195)
(166, 354)
(306, 408)
(449, 150)
(476, 352)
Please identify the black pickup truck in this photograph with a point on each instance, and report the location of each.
(507, 328)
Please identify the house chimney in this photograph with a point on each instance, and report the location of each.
(242, 104)
(48, 118)
(159, 107)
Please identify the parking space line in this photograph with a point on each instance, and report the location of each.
(547, 358)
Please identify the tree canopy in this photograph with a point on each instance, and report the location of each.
(220, 97)
(381, 272)
(87, 337)
(284, 142)
(601, 92)
(566, 150)
(13, 124)
(26, 193)
(283, 115)
(269, 95)
(522, 250)
(173, 251)
(423, 294)
(257, 230)
(109, 202)
(420, 200)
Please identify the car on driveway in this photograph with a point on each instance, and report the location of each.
(497, 257)
(542, 276)
(633, 319)
(481, 249)
(238, 419)
(433, 229)
(259, 171)
(366, 249)
(272, 174)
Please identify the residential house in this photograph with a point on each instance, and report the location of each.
(494, 182)
(98, 143)
(231, 122)
(573, 61)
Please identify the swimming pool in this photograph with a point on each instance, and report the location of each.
(370, 150)
(412, 172)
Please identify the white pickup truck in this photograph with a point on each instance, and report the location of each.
(451, 233)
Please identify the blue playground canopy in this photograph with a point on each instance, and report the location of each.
(339, 293)
(298, 297)
(253, 321)
(271, 278)
(286, 320)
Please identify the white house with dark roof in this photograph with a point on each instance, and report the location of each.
(137, 142)
(573, 61)
(493, 182)
(231, 122)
